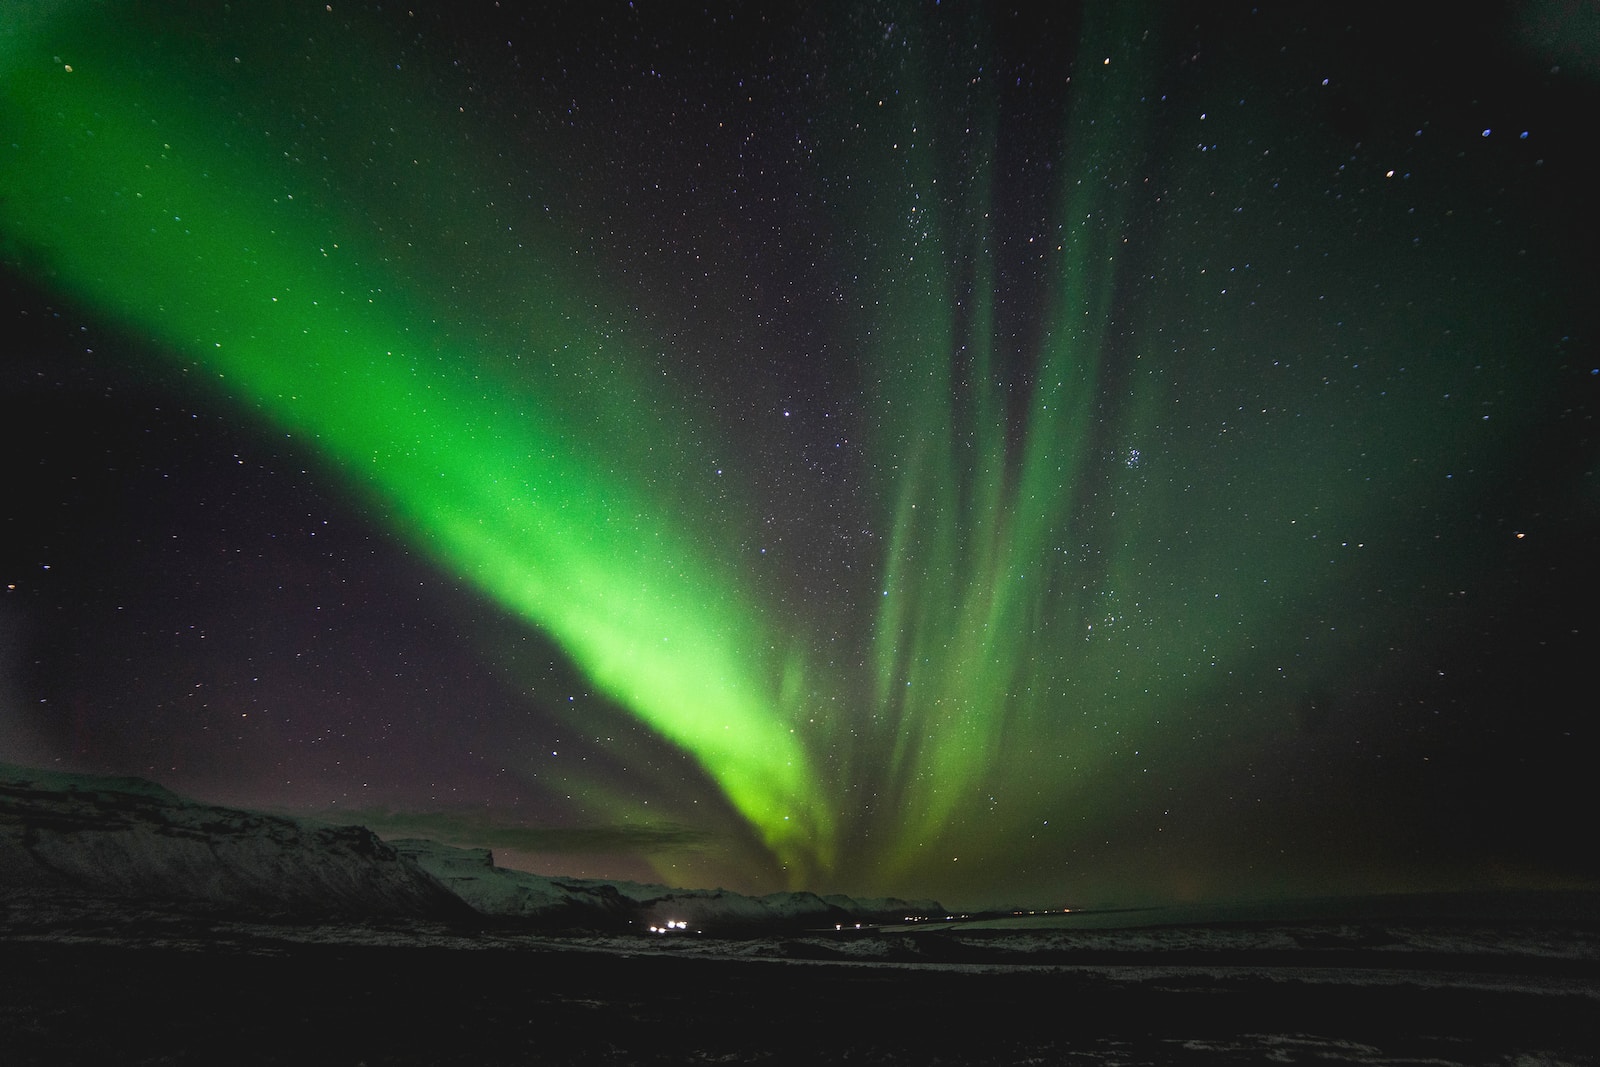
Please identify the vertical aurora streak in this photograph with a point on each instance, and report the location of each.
(978, 602)
(1140, 487)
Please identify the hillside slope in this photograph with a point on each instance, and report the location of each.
(132, 839)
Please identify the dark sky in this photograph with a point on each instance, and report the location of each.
(1125, 455)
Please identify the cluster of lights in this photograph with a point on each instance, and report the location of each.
(671, 925)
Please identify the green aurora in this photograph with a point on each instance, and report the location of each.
(1130, 518)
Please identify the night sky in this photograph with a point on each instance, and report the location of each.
(1120, 455)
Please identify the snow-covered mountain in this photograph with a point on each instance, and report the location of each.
(470, 874)
(131, 839)
(497, 891)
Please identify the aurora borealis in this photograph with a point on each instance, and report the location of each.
(936, 450)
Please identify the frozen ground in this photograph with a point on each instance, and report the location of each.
(433, 959)
(127, 985)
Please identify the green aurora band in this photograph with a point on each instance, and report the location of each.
(213, 256)
(1050, 592)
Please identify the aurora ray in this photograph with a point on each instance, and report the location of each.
(977, 603)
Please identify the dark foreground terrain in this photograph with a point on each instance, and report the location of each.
(274, 1001)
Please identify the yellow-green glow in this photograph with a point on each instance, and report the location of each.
(119, 193)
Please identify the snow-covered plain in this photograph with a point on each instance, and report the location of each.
(136, 926)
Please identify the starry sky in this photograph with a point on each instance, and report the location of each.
(1107, 454)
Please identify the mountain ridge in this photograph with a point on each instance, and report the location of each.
(128, 838)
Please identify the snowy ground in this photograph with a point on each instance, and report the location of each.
(232, 969)
(127, 986)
